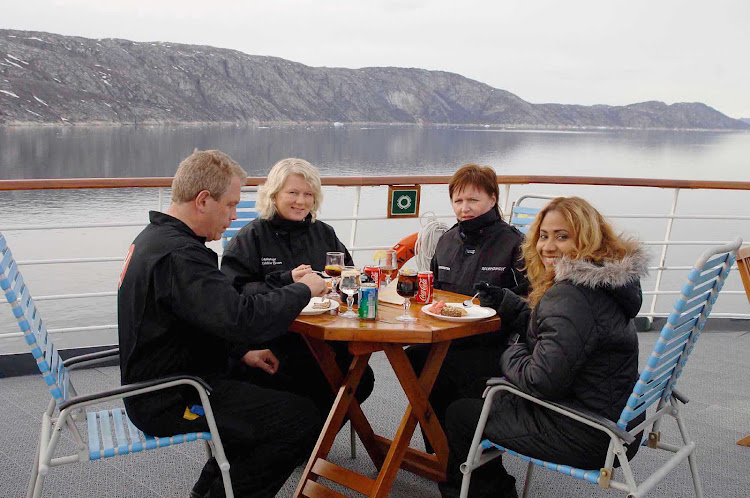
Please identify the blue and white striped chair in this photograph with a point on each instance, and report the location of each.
(246, 213)
(522, 217)
(109, 432)
(654, 387)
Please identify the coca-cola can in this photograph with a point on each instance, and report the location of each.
(425, 287)
(374, 273)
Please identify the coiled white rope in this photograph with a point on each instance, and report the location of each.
(427, 239)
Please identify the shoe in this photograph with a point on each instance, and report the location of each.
(209, 474)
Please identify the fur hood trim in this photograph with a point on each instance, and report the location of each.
(613, 274)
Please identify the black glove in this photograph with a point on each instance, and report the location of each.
(490, 296)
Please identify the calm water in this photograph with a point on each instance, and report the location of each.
(340, 151)
(355, 150)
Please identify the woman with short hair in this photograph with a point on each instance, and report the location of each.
(480, 247)
(577, 346)
(283, 244)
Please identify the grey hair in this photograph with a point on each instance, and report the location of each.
(276, 179)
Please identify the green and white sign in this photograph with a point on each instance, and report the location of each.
(403, 201)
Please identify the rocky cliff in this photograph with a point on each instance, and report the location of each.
(48, 78)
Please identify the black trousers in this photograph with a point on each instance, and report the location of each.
(300, 373)
(464, 373)
(265, 433)
(522, 426)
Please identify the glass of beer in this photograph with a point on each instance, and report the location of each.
(334, 263)
(406, 287)
(388, 266)
(350, 286)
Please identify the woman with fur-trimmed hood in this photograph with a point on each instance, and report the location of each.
(577, 346)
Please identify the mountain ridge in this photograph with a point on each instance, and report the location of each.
(54, 79)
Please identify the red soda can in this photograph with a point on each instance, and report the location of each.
(374, 273)
(425, 287)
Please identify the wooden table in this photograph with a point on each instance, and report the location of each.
(365, 337)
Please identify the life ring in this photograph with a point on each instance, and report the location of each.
(405, 249)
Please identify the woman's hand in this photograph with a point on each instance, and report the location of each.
(300, 272)
(263, 359)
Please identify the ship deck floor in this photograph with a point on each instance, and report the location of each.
(717, 381)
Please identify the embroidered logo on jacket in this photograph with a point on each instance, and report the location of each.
(270, 262)
(493, 268)
(446, 268)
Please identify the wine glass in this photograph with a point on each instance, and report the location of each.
(350, 286)
(388, 265)
(334, 262)
(406, 288)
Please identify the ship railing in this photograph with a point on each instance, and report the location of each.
(510, 185)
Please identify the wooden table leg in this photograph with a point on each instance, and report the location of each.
(417, 390)
(344, 398)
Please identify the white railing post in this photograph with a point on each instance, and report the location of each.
(663, 258)
(161, 203)
(355, 214)
(506, 202)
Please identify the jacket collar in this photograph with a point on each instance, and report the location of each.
(159, 218)
(472, 228)
(280, 223)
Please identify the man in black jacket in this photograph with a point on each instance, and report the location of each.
(179, 315)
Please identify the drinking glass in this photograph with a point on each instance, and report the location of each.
(388, 265)
(350, 286)
(406, 288)
(334, 262)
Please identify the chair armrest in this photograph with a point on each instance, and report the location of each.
(563, 409)
(96, 357)
(680, 397)
(134, 389)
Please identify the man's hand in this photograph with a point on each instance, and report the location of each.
(316, 284)
(300, 272)
(263, 359)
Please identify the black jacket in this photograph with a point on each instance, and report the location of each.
(481, 249)
(263, 254)
(178, 314)
(581, 346)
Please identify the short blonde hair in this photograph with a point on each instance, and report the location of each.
(275, 182)
(210, 170)
(594, 238)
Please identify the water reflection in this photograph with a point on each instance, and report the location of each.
(69, 152)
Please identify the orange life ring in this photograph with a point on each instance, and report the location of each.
(405, 249)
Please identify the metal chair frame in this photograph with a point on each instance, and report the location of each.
(655, 385)
(66, 407)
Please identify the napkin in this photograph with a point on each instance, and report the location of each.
(389, 295)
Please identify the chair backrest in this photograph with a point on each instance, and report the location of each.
(681, 330)
(523, 216)
(245, 214)
(30, 322)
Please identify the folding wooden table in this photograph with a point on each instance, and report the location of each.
(388, 335)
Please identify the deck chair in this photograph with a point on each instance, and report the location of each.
(522, 217)
(655, 386)
(109, 432)
(245, 214)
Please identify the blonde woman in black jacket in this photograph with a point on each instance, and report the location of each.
(577, 346)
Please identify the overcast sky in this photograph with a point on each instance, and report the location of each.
(572, 52)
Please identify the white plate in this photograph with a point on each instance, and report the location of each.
(474, 313)
(309, 310)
